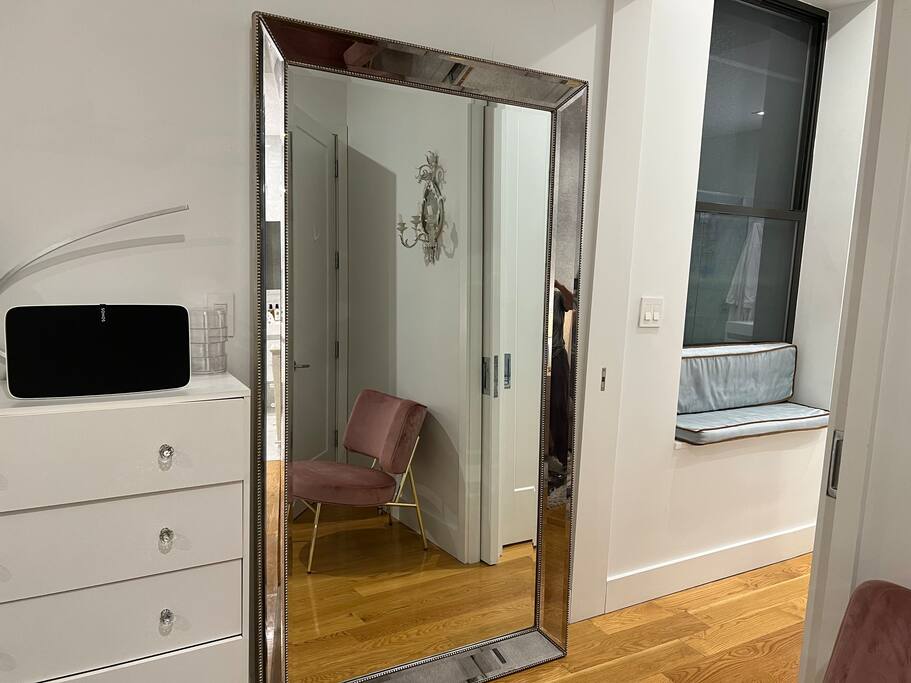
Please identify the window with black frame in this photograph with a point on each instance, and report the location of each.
(760, 113)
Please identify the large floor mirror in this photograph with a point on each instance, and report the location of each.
(419, 220)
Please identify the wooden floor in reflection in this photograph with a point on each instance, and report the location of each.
(376, 599)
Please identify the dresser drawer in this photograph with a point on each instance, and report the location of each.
(67, 457)
(57, 635)
(75, 546)
(224, 661)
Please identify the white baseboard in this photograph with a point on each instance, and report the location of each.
(648, 583)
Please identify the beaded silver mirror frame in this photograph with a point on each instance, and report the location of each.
(292, 42)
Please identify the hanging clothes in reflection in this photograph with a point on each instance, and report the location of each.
(560, 407)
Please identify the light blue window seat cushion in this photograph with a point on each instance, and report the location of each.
(739, 423)
(734, 391)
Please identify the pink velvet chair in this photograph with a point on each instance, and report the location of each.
(383, 427)
(874, 642)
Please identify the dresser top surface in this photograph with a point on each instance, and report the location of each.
(200, 388)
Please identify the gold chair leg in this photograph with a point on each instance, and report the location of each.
(319, 506)
(417, 507)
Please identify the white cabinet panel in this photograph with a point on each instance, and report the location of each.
(225, 661)
(57, 635)
(67, 457)
(64, 548)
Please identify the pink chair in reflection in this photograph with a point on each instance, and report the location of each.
(383, 427)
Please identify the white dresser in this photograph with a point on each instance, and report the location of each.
(124, 536)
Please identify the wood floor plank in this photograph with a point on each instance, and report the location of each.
(797, 607)
(636, 615)
(552, 672)
(754, 601)
(728, 634)
(705, 594)
(777, 573)
(774, 657)
(596, 646)
(643, 665)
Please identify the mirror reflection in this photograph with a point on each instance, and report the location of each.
(416, 337)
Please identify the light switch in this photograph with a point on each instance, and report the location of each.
(651, 310)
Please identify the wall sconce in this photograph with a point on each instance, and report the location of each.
(427, 227)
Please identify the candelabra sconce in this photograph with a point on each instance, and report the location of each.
(427, 226)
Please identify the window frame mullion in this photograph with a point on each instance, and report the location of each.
(751, 211)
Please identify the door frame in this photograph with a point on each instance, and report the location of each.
(471, 423)
(491, 544)
(339, 131)
(341, 289)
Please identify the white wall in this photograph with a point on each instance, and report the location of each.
(405, 325)
(659, 58)
(671, 516)
(833, 188)
(114, 108)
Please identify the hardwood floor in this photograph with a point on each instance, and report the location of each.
(745, 628)
(362, 610)
(377, 599)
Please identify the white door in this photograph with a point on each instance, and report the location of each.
(875, 267)
(314, 243)
(517, 222)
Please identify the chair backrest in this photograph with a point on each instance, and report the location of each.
(384, 427)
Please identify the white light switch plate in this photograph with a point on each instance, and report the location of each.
(223, 300)
(651, 311)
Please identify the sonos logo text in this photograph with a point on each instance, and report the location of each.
(103, 314)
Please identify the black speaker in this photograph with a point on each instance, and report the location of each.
(60, 351)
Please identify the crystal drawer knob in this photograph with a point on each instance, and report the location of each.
(165, 539)
(166, 620)
(165, 453)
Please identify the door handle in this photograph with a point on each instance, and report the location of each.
(300, 366)
(838, 438)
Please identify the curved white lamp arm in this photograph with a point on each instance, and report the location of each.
(20, 270)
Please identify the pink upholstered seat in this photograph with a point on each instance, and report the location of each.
(332, 482)
(382, 427)
(874, 642)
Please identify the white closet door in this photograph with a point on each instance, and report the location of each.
(314, 243)
(516, 170)
(523, 238)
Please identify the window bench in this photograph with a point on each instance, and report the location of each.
(735, 391)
